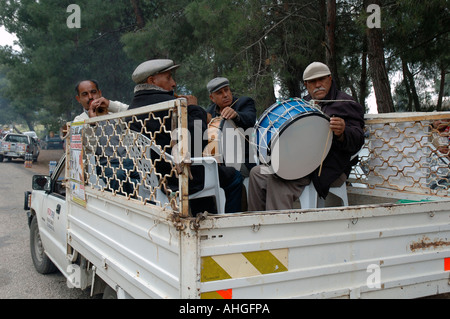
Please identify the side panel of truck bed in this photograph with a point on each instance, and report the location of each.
(395, 251)
(130, 247)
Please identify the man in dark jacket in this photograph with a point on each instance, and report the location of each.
(267, 191)
(155, 84)
(346, 123)
(241, 111)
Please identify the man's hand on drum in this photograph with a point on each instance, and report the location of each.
(337, 125)
(228, 113)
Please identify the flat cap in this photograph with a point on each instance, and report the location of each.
(315, 70)
(152, 67)
(216, 84)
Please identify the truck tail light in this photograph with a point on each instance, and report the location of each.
(27, 201)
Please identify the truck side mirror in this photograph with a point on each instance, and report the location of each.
(42, 183)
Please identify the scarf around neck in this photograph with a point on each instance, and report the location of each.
(146, 86)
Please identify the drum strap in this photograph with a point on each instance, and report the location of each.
(232, 122)
(327, 101)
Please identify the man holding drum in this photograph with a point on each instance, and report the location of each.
(267, 191)
(241, 111)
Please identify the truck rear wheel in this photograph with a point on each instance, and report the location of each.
(109, 293)
(41, 262)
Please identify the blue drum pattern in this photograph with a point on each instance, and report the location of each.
(294, 115)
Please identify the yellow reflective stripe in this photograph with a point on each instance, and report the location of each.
(220, 294)
(236, 265)
(282, 256)
(241, 265)
(265, 262)
(211, 271)
(210, 295)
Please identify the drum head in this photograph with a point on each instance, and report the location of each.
(300, 147)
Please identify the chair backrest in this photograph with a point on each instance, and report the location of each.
(139, 149)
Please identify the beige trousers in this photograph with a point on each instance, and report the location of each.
(269, 192)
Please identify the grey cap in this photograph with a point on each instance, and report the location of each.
(216, 84)
(315, 70)
(152, 67)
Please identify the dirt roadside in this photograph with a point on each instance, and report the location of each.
(45, 156)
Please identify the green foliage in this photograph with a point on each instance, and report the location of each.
(255, 43)
(53, 58)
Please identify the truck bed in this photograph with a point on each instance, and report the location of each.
(322, 253)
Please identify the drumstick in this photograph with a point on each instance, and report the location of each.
(234, 103)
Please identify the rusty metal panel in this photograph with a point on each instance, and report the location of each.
(382, 251)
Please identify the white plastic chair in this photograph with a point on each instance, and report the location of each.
(211, 184)
(310, 199)
(245, 183)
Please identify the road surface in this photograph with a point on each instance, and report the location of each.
(18, 278)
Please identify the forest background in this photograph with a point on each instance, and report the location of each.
(400, 50)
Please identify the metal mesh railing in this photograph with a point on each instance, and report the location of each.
(405, 152)
(124, 155)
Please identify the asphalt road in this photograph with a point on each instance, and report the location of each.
(18, 278)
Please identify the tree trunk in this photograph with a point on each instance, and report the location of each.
(408, 90)
(138, 12)
(363, 78)
(412, 85)
(330, 30)
(377, 69)
(441, 88)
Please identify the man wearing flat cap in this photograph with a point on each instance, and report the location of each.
(241, 111)
(267, 191)
(154, 84)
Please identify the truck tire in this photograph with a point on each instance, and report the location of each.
(41, 262)
(109, 293)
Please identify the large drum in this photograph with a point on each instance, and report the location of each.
(225, 143)
(293, 137)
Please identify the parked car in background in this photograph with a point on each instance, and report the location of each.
(3, 134)
(54, 142)
(17, 145)
(32, 134)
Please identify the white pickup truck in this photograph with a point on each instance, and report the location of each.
(391, 239)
